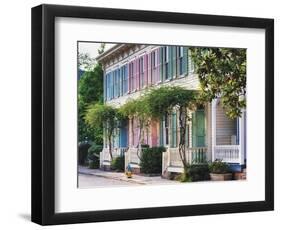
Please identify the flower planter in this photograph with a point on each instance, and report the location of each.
(220, 176)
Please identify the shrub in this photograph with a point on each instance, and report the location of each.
(151, 160)
(199, 172)
(219, 167)
(94, 156)
(194, 172)
(118, 163)
(83, 152)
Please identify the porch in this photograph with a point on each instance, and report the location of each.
(171, 160)
(105, 158)
(228, 136)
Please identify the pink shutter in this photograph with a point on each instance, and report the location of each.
(129, 76)
(134, 75)
(145, 70)
(149, 69)
(154, 135)
(138, 74)
(158, 64)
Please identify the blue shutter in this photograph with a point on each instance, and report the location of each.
(104, 87)
(111, 85)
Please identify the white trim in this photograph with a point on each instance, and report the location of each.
(214, 113)
(242, 137)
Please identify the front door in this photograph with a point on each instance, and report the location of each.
(198, 129)
(124, 134)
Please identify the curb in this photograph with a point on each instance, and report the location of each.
(113, 178)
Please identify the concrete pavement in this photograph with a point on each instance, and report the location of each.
(120, 176)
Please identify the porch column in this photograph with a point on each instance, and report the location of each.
(242, 138)
(130, 130)
(214, 126)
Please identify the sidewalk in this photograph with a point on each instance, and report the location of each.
(137, 179)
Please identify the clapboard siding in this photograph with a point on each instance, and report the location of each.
(225, 127)
(189, 82)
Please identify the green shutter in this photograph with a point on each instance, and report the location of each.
(190, 66)
(185, 60)
(174, 61)
(174, 130)
(161, 131)
(170, 62)
(198, 128)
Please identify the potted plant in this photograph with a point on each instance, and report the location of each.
(219, 171)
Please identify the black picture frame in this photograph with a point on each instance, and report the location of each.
(43, 113)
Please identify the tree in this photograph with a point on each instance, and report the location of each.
(163, 100)
(104, 116)
(222, 73)
(85, 61)
(90, 91)
(137, 109)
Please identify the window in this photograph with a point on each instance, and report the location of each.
(166, 60)
(174, 130)
(187, 139)
(166, 129)
(154, 59)
(180, 60)
(141, 63)
(124, 79)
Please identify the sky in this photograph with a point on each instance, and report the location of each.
(92, 48)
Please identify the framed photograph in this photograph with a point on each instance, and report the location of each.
(145, 114)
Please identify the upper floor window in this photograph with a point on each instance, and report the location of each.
(154, 59)
(181, 60)
(166, 60)
(141, 60)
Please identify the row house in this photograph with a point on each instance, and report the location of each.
(132, 69)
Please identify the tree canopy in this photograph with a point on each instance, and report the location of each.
(163, 99)
(222, 73)
(102, 116)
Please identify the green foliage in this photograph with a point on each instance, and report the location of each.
(199, 172)
(83, 152)
(162, 100)
(222, 72)
(118, 163)
(94, 156)
(85, 61)
(99, 115)
(151, 160)
(219, 167)
(139, 110)
(90, 87)
(194, 172)
(184, 177)
(102, 116)
(90, 91)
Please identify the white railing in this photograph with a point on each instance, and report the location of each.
(227, 153)
(105, 156)
(133, 156)
(122, 150)
(171, 158)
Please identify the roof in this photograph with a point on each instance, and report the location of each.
(118, 48)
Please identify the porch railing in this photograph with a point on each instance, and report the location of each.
(171, 158)
(105, 156)
(131, 156)
(227, 153)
